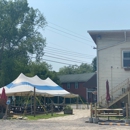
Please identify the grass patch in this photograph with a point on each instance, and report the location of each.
(44, 116)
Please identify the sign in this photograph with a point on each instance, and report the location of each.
(8, 102)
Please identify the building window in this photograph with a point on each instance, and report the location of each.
(68, 85)
(76, 86)
(126, 59)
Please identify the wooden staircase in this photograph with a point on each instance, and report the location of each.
(118, 92)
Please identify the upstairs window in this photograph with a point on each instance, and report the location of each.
(68, 85)
(126, 59)
(76, 85)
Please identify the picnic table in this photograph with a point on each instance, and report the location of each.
(105, 112)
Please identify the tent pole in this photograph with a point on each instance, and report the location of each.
(44, 100)
(34, 101)
(19, 101)
(47, 100)
(31, 104)
(51, 108)
(14, 102)
(64, 102)
(77, 102)
(58, 99)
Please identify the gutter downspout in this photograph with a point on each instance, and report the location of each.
(97, 75)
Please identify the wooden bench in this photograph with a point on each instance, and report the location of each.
(109, 113)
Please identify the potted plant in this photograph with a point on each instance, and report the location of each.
(68, 110)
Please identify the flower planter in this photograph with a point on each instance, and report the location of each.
(68, 111)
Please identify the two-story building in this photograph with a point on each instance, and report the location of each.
(113, 64)
(84, 85)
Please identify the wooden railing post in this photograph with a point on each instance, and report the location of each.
(91, 110)
(95, 110)
(126, 110)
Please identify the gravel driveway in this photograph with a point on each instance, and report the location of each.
(71, 122)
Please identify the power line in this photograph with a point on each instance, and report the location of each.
(53, 52)
(56, 62)
(66, 29)
(69, 34)
(62, 50)
(69, 37)
(72, 60)
(67, 55)
(62, 62)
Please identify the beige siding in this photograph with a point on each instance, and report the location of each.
(110, 55)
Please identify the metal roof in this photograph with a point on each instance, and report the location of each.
(76, 77)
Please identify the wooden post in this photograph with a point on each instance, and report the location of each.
(31, 104)
(126, 110)
(91, 110)
(70, 101)
(129, 98)
(77, 103)
(58, 100)
(64, 102)
(44, 100)
(95, 110)
(34, 101)
(6, 112)
(51, 108)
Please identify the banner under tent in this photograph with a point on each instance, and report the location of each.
(23, 86)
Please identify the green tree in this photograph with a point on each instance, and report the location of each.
(84, 68)
(42, 70)
(94, 64)
(19, 37)
(74, 69)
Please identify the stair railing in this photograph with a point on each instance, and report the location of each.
(116, 91)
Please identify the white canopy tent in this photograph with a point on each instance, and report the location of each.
(24, 85)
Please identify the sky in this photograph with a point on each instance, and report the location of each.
(67, 39)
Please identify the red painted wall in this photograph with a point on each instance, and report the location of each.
(81, 91)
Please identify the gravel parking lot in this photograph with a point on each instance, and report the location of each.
(71, 122)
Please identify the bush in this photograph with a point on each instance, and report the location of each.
(68, 108)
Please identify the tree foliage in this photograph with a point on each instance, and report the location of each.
(19, 37)
(74, 69)
(94, 64)
(42, 70)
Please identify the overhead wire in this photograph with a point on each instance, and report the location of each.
(69, 30)
(70, 38)
(58, 54)
(63, 50)
(72, 60)
(69, 34)
(54, 53)
(70, 57)
(57, 62)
